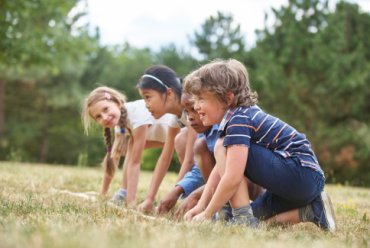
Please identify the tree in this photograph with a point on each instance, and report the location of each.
(177, 59)
(219, 37)
(41, 39)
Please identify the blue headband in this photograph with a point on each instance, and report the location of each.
(156, 79)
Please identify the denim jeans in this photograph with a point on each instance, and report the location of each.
(288, 184)
(192, 180)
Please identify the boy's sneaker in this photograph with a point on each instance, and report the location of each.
(243, 216)
(251, 222)
(225, 213)
(118, 198)
(320, 211)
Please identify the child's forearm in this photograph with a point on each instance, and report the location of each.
(133, 171)
(105, 184)
(197, 194)
(158, 175)
(175, 193)
(189, 153)
(232, 179)
(226, 189)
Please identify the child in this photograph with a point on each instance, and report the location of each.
(192, 179)
(108, 108)
(203, 152)
(258, 146)
(160, 87)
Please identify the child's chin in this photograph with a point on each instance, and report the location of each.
(206, 122)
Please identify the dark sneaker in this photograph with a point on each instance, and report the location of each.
(320, 212)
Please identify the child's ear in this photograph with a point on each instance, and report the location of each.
(229, 98)
(169, 92)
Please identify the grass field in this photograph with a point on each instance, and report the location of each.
(34, 214)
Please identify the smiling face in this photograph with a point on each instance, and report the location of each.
(154, 102)
(210, 109)
(106, 113)
(193, 116)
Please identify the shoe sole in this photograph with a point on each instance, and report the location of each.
(328, 211)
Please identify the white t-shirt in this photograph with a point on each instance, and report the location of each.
(138, 115)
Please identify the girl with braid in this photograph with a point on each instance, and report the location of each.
(135, 129)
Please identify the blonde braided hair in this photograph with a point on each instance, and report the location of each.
(115, 149)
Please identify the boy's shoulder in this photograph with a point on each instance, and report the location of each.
(233, 114)
(239, 114)
(247, 111)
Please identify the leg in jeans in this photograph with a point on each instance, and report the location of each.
(288, 185)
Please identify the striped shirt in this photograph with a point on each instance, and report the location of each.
(246, 125)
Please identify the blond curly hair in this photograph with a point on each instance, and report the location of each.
(220, 77)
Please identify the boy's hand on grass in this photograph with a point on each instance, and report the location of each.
(188, 203)
(146, 206)
(200, 217)
(169, 201)
(193, 212)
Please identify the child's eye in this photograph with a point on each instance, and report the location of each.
(105, 109)
(98, 117)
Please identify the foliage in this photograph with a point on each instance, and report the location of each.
(177, 59)
(151, 156)
(310, 68)
(219, 37)
(42, 42)
(34, 31)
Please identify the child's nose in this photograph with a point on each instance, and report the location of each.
(196, 106)
(104, 116)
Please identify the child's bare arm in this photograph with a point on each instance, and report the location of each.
(233, 174)
(160, 170)
(189, 202)
(189, 153)
(132, 162)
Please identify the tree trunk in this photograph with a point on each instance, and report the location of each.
(2, 110)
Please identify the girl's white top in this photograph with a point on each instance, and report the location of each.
(138, 115)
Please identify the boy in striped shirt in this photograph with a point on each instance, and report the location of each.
(258, 146)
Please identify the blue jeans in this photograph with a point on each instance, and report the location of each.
(288, 184)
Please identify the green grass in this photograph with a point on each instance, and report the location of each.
(32, 215)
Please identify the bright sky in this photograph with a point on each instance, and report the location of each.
(157, 23)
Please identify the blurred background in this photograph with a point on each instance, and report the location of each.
(309, 61)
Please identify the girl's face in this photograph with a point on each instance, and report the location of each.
(106, 113)
(210, 109)
(154, 102)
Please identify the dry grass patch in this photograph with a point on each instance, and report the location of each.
(33, 215)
